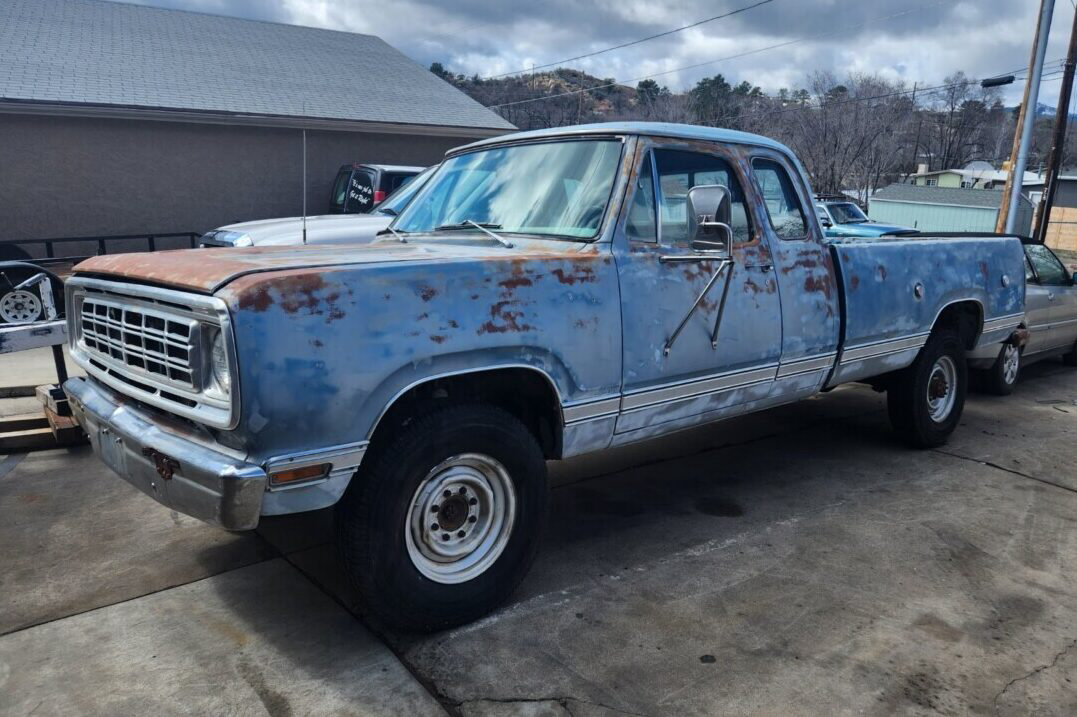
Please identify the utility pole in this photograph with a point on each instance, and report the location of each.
(1058, 141)
(1022, 138)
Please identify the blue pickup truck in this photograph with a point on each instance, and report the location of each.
(547, 294)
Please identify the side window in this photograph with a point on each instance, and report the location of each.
(1049, 269)
(781, 199)
(340, 189)
(679, 171)
(640, 224)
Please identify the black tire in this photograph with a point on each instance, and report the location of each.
(373, 525)
(997, 379)
(1070, 359)
(908, 400)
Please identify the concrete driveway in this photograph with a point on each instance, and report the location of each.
(798, 561)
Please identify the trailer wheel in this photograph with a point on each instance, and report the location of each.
(19, 307)
(442, 524)
(926, 399)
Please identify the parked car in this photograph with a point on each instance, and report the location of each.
(324, 229)
(546, 294)
(358, 188)
(843, 218)
(1050, 323)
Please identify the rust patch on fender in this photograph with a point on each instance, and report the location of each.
(509, 319)
(581, 274)
(438, 338)
(426, 293)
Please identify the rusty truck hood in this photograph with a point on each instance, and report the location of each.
(207, 270)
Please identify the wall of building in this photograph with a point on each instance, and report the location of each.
(66, 176)
(945, 218)
(933, 217)
(944, 180)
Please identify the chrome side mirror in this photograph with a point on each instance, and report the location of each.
(709, 213)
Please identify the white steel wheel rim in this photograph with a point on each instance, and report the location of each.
(941, 389)
(19, 307)
(460, 518)
(1011, 363)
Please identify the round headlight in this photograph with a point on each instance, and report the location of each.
(218, 358)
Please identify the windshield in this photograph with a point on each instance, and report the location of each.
(557, 189)
(398, 199)
(847, 213)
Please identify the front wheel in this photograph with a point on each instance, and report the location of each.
(1001, 378)
(926, 399)
(440, 527)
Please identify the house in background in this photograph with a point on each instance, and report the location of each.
(1062, 229)
(944, 209)
(126, 119)
(975, 175)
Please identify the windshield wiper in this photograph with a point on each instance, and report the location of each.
(389, 210)
(389, 230)
(484, 227)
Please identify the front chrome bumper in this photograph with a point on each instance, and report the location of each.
(174, 470)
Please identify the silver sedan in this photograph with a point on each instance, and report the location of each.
(1050, 318)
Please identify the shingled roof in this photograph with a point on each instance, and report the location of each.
(952, 196)
(92, 53)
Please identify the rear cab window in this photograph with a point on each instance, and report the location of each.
(780, 197)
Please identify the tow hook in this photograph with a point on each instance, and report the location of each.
(165, 465)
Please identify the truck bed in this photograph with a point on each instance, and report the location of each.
(894, 288)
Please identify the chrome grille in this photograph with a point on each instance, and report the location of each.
(152, 343)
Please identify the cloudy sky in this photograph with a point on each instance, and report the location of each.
(914, 40)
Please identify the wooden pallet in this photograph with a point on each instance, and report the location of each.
(40, 431)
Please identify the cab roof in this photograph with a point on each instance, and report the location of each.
(649, 129)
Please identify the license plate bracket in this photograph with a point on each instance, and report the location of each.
(113, 453)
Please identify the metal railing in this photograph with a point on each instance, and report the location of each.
(102, 245)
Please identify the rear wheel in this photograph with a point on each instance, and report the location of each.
(1001, 378)
(440, 527)
(926, 399)
(1070, 359)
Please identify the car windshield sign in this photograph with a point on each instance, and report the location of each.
(558, 189)
(847, 213)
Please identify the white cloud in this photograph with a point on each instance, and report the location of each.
(489, 37)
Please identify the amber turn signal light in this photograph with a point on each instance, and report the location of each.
(298, 475)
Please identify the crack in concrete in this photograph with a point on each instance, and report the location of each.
(1004, 469)
(1053, 663)
(563, 701)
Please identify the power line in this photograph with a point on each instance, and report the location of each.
(1053, 75)
(633, 42)
(756, 51)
